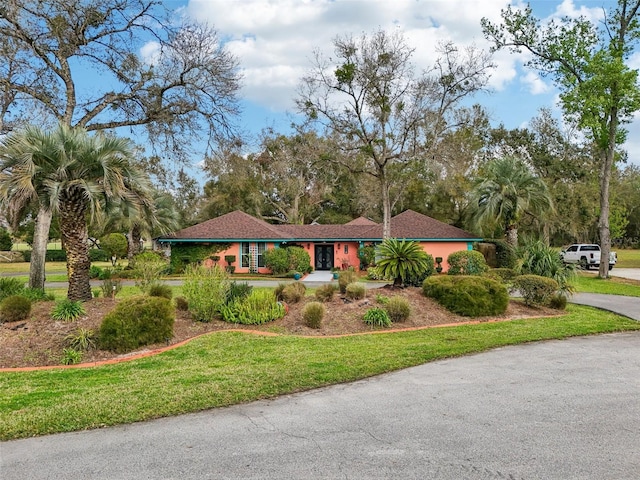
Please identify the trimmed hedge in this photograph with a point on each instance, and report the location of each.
(95, 255)
(535, 290)
(467, 262)
(137, 321)
(470, 296)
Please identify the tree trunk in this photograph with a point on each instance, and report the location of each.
(73, 227)
(39, 248)
(603, 221)
(511, 235)
(386, 207)
(133, 241)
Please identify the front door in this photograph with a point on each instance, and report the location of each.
(324, 257)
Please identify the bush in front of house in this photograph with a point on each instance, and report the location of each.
(355, 291)
(325, 292)
(398, 308)
(467, 262)
(160, 290)
(287, 259)
(293, 292)
(403, 261)
(135, 322)
(506, 275)
(148, 268)
(259, 307)
(206, 291)
(345, 278)
(14, 308)
(535, 289)
(312, 314)
(377, 317)
(468, 295)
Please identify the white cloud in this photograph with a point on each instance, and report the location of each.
(535, 84)
(150, 52)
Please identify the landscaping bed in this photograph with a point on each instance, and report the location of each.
(39, 340)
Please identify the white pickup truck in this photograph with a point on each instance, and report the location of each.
(587, 255)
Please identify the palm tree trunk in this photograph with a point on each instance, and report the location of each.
(133, 241)
(39, 248)
(73, 227)
(512, 235)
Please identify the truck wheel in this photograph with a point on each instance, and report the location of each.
(584, 265)
(610, 267)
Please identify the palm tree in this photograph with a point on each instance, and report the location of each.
(505, 192)
(74, 176)
(159, 217)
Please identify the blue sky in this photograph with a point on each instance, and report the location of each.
(274, 41)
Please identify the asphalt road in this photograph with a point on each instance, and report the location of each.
(554, 410)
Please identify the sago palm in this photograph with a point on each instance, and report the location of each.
(401, 260)
(504, 193)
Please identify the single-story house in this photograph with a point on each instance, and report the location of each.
(244, 238)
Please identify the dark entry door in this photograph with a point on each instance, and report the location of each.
(324, 257)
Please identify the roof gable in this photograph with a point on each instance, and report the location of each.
(414, 225)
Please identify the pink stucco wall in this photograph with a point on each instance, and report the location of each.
(443, 249)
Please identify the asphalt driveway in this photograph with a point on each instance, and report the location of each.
(558, 410)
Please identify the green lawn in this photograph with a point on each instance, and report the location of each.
(628, 259)
(230, 367)
(590, 283)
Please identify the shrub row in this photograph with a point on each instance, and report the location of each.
(470, 296)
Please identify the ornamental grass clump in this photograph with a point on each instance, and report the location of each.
(135, 322)
(355, 291)
(468, 295)
(377, 317)
(81, 339)
(160, 290)
(10, 286)
(67, 310)
(325, 292)
(345, 278)
(294, 292)
(259, 307)
(14, 308)
(398, 309)
(312, 314)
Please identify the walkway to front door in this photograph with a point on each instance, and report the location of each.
(322, 276)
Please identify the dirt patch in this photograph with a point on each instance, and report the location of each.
(39, 340)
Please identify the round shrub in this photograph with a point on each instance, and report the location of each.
(137, 321)
(345, 278)
(470, 296)
(294, 292)
(505, 274)
(325, 292)
(355, 291)
(14, 308)
(160, 290)
(181, 303)
(467, 262)
(398, 309)
(558, 301)
(377, 317)
(535, 290)
(312, 314)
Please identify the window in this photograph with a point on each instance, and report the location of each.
(262, 246)
(244, 255)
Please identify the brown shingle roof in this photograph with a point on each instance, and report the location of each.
(361, 221)
(241, 226)
(236, 225)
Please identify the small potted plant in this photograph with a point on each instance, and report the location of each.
(439, 264)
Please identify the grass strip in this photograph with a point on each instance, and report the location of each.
(227, 368)
(589, 283)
